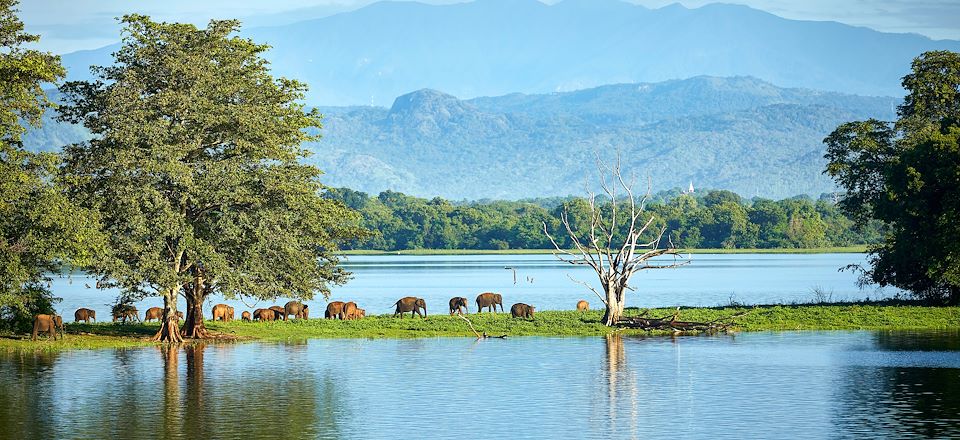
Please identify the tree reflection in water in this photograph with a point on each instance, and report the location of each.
(622, 389)
(900, 402)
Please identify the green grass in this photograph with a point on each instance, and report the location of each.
(873, 316)
(825, 250)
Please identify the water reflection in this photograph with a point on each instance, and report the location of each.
(777, 385)
(28, 399)
(899, 401)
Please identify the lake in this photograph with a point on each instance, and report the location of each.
(541, 280)
(758, 385)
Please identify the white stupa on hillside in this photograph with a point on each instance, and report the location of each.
(690, 189)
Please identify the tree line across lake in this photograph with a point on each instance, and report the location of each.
(709, 219)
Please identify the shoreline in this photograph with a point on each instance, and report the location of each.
(859, 249)
(802, 317)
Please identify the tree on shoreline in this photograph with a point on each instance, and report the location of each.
(195, 168)
(619, 239)
(40, 230)
(906, 174)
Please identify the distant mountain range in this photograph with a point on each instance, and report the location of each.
(738, 133)
(494, 47)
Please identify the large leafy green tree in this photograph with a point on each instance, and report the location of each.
(39, 228)
(195, 167)
(907, 175)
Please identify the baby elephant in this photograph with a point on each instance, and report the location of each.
(52, 324)
(245, 316)
(458, 305)
(583, 306)
(521, 310)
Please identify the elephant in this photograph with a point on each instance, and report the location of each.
(266, 315)
(298, 309)
(124, 312)
(179, 316)
(334, 310)
(583, 305)
(521, 310)
(410, 304)
(153, 313)
(85, 315)
(52, 324)
(490, 301)
(223, 312)
(279, 310)
(350, 310)
(245, 316)
(458, 304)
(361, 313)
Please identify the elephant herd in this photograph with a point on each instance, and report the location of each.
(53, 324)
(490, 301)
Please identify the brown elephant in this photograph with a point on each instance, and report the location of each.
(410, 304)
(490, 301)
(179, 316)
(124, 312)
(361, 313)
(222, 312)
(266, 315)
(85, 315)
(334, 310)
(153, 313)
(583, 305)
(52, 324)
(279, 310)
(298, 309)
(458, 305)
(350, 310)
(245, 316)
(521, 310)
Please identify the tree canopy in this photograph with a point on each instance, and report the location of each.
(40, 229)
(906, 174)
(195, 167)
(697, 220)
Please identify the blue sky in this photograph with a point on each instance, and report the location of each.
(69, 25)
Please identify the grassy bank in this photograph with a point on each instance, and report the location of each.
(548, 323)
(824, 250)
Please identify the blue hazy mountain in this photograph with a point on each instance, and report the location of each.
(495, 47)
(737, 133)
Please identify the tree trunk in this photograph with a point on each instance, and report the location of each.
(170, 323)
(615, 304)
(193, 326)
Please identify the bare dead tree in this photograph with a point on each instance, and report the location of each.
(612, 246)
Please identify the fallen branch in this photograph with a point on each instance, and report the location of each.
(672, 323)
(480, 336)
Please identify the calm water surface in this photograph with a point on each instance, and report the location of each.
(541, 280)
(766, 385)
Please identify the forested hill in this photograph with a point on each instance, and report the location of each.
(737, 133)
(493, 47)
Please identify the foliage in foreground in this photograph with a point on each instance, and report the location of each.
(40, 229)
(906, 174)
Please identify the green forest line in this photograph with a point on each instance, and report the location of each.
(710, 222)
